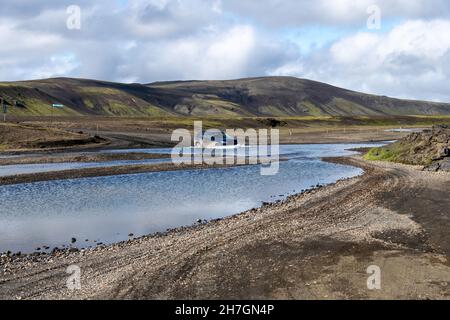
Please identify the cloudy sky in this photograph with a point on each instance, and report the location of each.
(340, 42)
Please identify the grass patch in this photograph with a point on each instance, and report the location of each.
(401, 151)
(382, 154)
(406, 152)
(100, 90)
(313, 110)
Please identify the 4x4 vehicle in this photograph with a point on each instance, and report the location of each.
(215, 140)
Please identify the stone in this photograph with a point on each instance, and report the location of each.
(434, 167)
(445, 165)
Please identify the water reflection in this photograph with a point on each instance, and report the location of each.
(107, 209)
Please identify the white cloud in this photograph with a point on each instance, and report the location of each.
(409, 61)
(333, 12)
(218, 54)
(149, 40)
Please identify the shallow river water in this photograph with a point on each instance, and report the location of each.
(107, 209)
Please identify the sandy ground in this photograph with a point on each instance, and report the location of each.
(155, 138)
(25, 137)
(317, 245)
(37, 133)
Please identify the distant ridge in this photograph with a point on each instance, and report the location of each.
(251, 97)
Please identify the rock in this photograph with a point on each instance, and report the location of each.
(445, 165)
(55, 250)
(71, 250)
(434, 167)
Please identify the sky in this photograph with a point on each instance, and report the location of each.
(398, 48)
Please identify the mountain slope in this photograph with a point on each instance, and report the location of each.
(269, 96)
(286, 96)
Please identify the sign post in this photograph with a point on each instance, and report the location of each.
(55, 105)
(4, 108)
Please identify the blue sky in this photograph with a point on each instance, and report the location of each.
(152, 40)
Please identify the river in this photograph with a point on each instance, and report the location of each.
(108, 209)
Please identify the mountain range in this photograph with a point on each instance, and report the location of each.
(251, 97)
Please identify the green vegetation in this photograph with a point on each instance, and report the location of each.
(390, 153)
(344, 107)
(89, 103)
(417, 148)
(100, 90)
(36, 107)
(403, 151)
(313, 110)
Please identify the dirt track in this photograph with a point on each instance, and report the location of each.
(312, 246)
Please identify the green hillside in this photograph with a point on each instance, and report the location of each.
(253, 97)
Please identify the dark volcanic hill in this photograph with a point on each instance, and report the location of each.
(268, 96)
